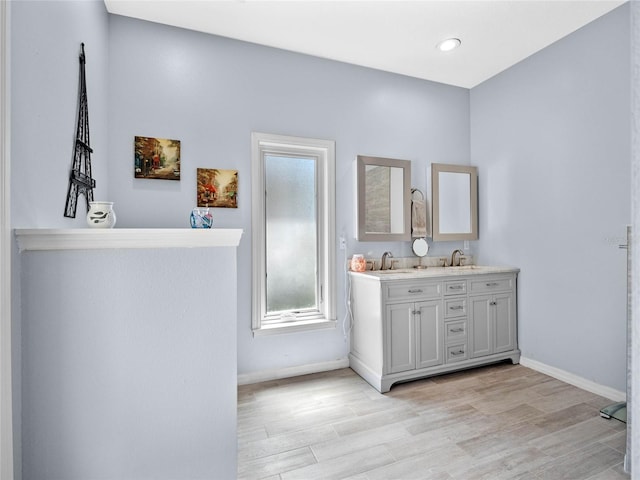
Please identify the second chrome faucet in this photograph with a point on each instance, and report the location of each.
(383, 261)
(453, 257)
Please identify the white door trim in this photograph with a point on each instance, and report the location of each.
(6, 415)
(632, 457)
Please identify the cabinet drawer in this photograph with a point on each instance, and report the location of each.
(455, 307)
(492, 284)
(456, 353)
(455, 331)
(457, 287)
(412, 291)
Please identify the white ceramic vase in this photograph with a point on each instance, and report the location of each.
(101, 215)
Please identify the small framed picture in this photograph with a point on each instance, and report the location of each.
(217, 188)
(157, 158)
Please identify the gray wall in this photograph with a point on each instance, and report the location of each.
(45, 44)
(129, 367)
(551, 139)
(211, 93)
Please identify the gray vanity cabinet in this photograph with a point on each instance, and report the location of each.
(492, 315)
(408, 326)
(413, 334)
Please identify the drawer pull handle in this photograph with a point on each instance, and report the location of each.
(456, 330)
(455, 287)
(415, 290)
(493, 303)
(457, 307)
(492, 284)
(459, 352)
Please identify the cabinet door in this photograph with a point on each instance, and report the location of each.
(503, 306)
(400, 339)
(482, 326)
(429, 334)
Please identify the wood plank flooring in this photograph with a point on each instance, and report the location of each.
(498, 422)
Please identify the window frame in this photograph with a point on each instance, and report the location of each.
(323, 151)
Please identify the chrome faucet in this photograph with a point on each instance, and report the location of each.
(453, 257)
(383, 262)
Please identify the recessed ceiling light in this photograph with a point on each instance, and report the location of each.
(448, 44)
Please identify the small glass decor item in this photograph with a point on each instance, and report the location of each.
(358, 263)
(201, 218)
(101, 215)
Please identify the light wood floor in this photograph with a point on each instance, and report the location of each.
(498, 422)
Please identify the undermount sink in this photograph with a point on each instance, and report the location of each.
(468, 267)
(475, 269)
(386, 272)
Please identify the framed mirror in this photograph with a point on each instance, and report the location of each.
(454, 201)
(384, 199)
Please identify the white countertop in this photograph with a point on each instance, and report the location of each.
(113, 238)
(433, 272)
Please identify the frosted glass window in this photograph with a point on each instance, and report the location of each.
(291, 234)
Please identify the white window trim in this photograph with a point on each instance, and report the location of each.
(324, 150)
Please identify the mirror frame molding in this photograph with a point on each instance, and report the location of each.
(362, 235)
(436, 169)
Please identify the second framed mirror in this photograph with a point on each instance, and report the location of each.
(455, 202)
(384, 190)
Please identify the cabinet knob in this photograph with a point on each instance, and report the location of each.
(416, 312)
(493, 303)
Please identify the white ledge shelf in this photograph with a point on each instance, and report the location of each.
(92, 239)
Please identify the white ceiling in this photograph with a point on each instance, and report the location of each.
(395, 36)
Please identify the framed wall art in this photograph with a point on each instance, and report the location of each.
(217, 188)
(157, 158)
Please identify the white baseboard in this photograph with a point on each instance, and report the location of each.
(575, 380)
(563, 375)
(275, 374)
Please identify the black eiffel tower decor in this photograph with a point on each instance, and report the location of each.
(80, 180)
